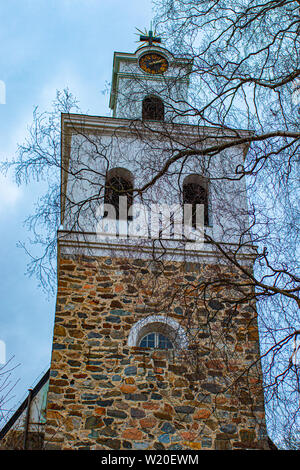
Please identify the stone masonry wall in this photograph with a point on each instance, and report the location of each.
(104, 394)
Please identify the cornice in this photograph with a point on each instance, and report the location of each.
(143, 250)
(77, 123)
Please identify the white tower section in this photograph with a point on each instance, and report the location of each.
(131, 83)
(157, 156)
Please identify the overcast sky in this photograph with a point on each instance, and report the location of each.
(47, 45)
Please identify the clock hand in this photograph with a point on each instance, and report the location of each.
(155, 62)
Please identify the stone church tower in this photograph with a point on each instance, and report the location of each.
(154, 346)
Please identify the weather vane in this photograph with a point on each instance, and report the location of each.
(149, 37)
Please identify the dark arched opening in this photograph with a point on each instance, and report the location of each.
(195, 191)
(119, 182)
(153, 108)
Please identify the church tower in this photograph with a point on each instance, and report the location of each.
(155, 342)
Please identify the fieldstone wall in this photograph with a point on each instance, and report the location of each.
(104, 394)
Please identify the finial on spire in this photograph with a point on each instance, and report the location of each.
(149, 37)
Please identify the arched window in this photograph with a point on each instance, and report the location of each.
(157, 331)
(156, 340)
(119, 182)
(153, 108)
(195, 191)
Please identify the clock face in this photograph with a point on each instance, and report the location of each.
(153, 63)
